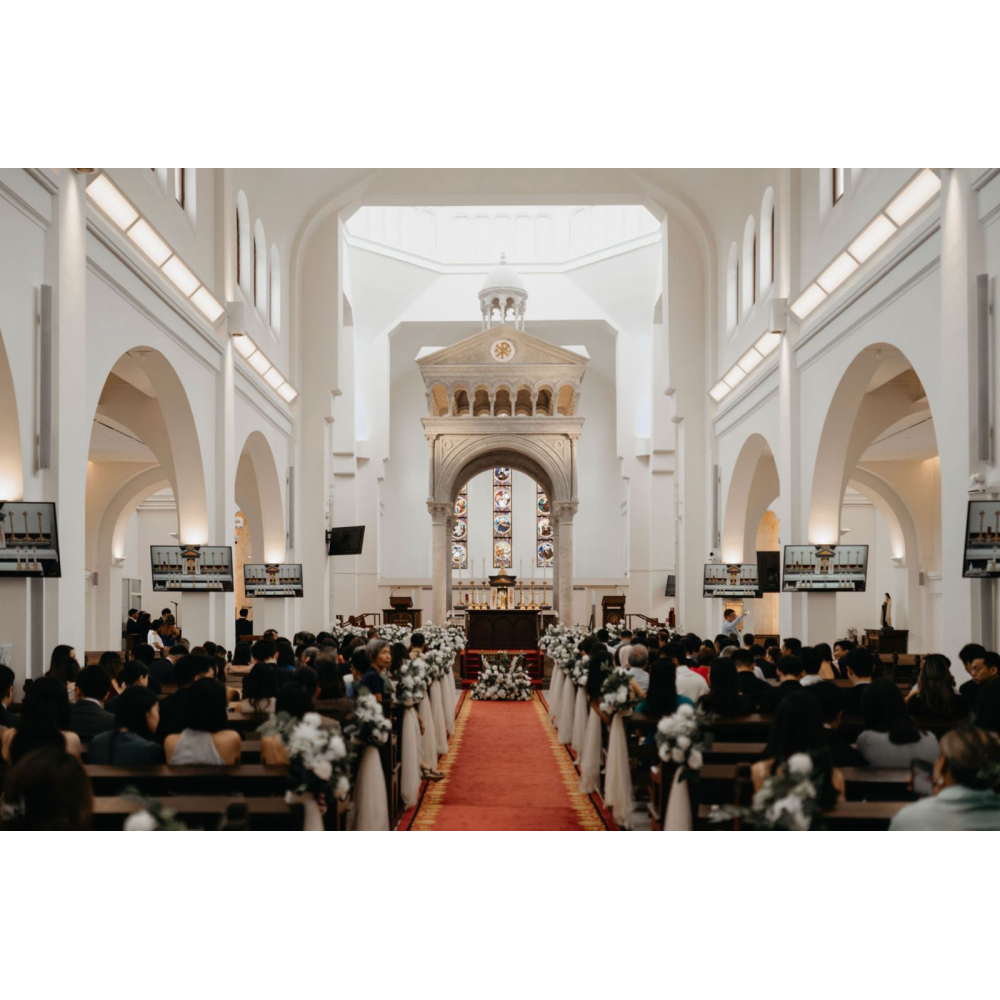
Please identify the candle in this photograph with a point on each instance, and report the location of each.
(520, 571)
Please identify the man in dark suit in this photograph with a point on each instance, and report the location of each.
(831, 701)
(746, 680)
(860, 669)
(789, 674)
(132, 622)
(164, 670)
(243, 625)
(88, 716)
(983, 668)
(7, 717)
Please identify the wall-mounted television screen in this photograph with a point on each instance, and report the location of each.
(272, 579)
(824, 567)
(347, 541)
(29, 541)
(982, 539)
(731, 580)
(769, 571)
(192, 567)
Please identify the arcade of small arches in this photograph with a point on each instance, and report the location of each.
(503, 400)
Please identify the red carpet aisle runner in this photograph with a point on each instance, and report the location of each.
(505, 770)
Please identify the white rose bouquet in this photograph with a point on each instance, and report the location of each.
(369, 726)
(319, 761)
(340, 632)
(616, 694)
(788, 800)
(411, 684)
(501, 680)
(395, 633)
(559, 643)
(578, 669)
(442, 644)
(682, 738)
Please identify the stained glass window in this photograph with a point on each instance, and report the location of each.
(544, 547)
(460, 534)
(503, 529)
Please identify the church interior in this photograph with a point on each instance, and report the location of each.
(420, 461)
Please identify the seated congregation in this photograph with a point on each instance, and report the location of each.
(345, 732)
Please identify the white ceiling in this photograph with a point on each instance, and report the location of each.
(110, 442)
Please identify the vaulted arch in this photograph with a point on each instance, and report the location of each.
(11, 461)
(754, 486)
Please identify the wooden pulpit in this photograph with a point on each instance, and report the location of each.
(402, 612)
(613, 609)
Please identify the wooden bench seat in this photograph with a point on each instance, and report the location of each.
(204, 811)
(845, 816)
(162, 780)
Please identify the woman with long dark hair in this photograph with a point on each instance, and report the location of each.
(890, 737)
(934, 696)
(137, 715)
(260, 688)
(48, 789)
(798, 728)
(44, 721)
(206, 740)
(725, 696)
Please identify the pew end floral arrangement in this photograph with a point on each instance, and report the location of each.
(683, 738)
(368, 725)
(616, 691)
(319, 759)
(788, 799)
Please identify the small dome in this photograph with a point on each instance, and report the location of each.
(503, 276)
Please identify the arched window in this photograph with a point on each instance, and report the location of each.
(749, 266)
(732, 283)
(766, 241)
(243, 274)
(274, 291)
(544, 547)
(259, 268)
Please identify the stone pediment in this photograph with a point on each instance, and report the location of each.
(501, 348)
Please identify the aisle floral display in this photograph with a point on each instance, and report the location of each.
(370, 728)
(369, 725)
(411, 683)
(559, 643)
(788, 800)
(319, 762)
(683, 738)
(616, 691)
(502, 680)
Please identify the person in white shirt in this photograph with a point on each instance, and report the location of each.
(689, 684)
(731, 624)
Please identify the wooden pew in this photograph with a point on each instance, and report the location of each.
(845, 816)
(156, 780)
(205, 811)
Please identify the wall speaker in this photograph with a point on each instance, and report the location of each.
(671, 586)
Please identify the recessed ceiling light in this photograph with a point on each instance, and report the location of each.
(244, 344)
(838, 272)
(871, 238)
(718, 391)
(287, 392)
(768, 342)
(206, 304)
(734, 376)
(179, 273)
(808, 301)
(147, 239)
(112, 202)
(274, 378)
(750, 360)
(914, 196)
(259, 362)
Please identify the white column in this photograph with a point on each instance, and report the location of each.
(955, 423)
(67, 481)
(450, 523)
(222, 514)
(441, 549)
(566, 511)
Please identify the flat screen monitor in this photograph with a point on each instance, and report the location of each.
(769, 570)
(731, 580)
(192, 567)
(981, 555)
(272, 579)
(29, 540)
(347, 541)
(824, 568)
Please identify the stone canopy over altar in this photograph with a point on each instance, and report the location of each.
(502, 398)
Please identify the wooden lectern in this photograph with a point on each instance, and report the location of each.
(613, 609)
(402, 612)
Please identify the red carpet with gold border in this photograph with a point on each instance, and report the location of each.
(505, 770)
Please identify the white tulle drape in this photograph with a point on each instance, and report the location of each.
(312, 818)
(371, 803)
(618, 795)
(590, 760)
(448, 700)
(439, 726)
(567, 704)
(555, 693)
(580, 719)
(429, 751)
(411, 753)
(679, 805)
